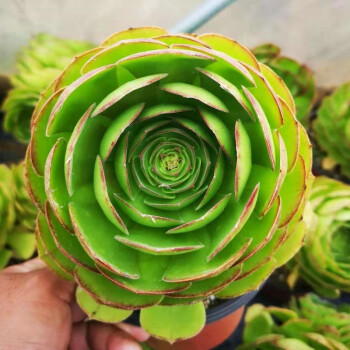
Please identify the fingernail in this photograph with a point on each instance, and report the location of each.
(136, 332)
(143, 335)
(128, 346)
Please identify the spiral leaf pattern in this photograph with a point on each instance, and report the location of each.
(332, 129)
(309, 323)
(17, 216)
(322, 262)
(167, 168)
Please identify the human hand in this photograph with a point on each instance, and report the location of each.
(38, 312)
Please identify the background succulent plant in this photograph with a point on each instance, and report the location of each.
(324, 260)
(37, 65)
(310, 324)
(332, 128)
(17, 216)
(167, 168)
(298, 77)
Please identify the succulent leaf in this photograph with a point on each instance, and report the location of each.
(17, 216)
(331, 128)
(297, 87)
(323, 261)
(167, 322)
(310, 323)
(37, 66)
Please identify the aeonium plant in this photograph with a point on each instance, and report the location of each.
(167, 168)
(309, 324)
(332, 129)
(323, 262)
(37, 65)
(17, 216)
(298, 77)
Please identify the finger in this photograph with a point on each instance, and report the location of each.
(28, 266)
(37, 272)
(78, 339)
(78, 314)
(137, 332)
(61, 288)
(107, 337)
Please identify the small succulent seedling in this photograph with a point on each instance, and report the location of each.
(17, 216)
(309, 324)
(332, 129)
(37, 66)
(324, 261)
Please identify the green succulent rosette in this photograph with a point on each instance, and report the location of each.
(309, 324)
(324, 260)
(167, 168)
(332, 128)
(298, 78)
(37, 65)
(17, 216)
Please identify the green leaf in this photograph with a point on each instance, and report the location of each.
(215, 182)
(72, 103)
(122, 91)
(249, 283)
(87, 134)
(224, 136)
(98, 311)
(67, 242)
(22, 244)
(103, 248)
(167, 322)
(244, 158)
(232, 221)
(134, 33)
(36, 186)
(292, 344)
(110, 294)
(197, 93)
(101, 193)
(230, 47)
(114, 53)
(205, 219)
(5, 256)
(55, 184)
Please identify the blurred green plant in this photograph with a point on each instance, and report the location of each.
(309, 324)
(17, 216)
(298, 77)
(332, 129)
(324, 260)
(167, 168)
(37, 65)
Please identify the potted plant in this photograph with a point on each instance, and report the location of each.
(37, 65)
(298, 77)
(310, 323)
(17, 216)
(222, 319)
(323, 261)
(331, 132)
(167, 169)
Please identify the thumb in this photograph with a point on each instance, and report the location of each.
(28, 266)
(36, 271)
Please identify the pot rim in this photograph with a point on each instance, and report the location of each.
(213, 314)
(228, 307)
